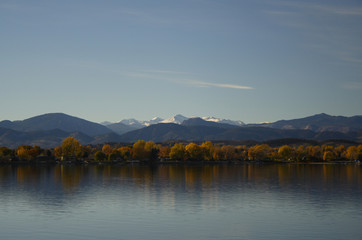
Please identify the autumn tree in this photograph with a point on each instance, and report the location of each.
(314, 153)
(207, 149)
(86, 151)
(177, 152)
(228, 152)
(242, 152)
(285, 152)
(126, 152)
(301, 153)
(71, 148)
(138, 150)
(217, 153)
(58, 153)
(151, 151)
(259, 152)
(351, 153)
(114, 155)
(34, 151)
(194, 152)
(339, 151)
(107, 149)
(23, 152)
(164, 152)
(328, 153)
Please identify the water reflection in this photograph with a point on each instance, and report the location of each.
(69, 179)
(181, 202)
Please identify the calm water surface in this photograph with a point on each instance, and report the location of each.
(181, 202)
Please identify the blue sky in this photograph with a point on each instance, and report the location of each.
(254, 61)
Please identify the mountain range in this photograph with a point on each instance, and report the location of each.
(128, 125)
(50, 129)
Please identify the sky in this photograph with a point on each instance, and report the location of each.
(249, 60)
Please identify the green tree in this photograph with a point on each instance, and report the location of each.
(328, 156)
(100, 156)
(5, 153)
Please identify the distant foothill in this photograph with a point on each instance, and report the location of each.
(49, 130)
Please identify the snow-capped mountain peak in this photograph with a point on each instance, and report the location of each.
(154, 120)
(130, 121)
(106, 123)
(225, 121)
(178, 119)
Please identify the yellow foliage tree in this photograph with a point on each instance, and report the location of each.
(23, 152)
(285, 152)
(177, 152)
(71, 148)
(138, 150)
(259, 152)
(164, 152)
(208, 149)
(351, 153)
(194, 152)
(126, 152)
(107, 149)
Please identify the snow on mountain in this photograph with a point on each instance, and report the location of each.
(140, 124)
(154, 120)
(133, 122)
(106, 123)
(178, 119)
(225, 121)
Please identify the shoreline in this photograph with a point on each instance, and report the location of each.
(160, 163)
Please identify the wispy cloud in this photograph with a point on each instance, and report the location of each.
(163, 71)
(179, 77)
(221, 85)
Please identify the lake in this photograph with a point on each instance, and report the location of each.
(276, 201)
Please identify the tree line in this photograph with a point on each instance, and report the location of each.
(72, 150)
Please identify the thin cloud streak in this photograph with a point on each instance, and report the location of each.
(150, 75)
(233, 86)
(158, 75)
